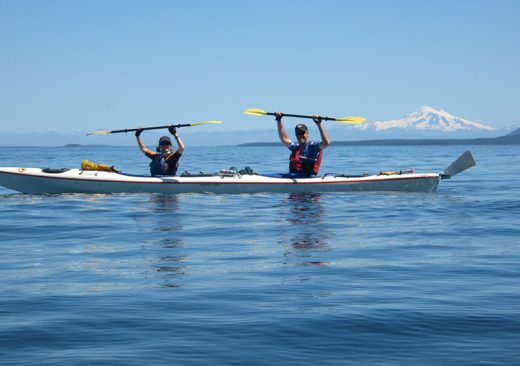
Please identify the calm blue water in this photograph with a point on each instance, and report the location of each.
(340, 278)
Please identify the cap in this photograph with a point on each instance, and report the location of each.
(165, 138)
(301, 127)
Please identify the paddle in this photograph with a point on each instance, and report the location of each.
(260, 112)
(103, 132)
(465, 161)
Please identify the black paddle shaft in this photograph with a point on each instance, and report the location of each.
(301, 116)
(150, 128)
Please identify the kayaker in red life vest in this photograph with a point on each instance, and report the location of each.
(165, 161)
(306, 155)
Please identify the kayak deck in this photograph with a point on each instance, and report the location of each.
(41, 181)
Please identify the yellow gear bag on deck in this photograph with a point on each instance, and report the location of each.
(89, 165)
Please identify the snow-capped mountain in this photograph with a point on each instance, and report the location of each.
(427, 118)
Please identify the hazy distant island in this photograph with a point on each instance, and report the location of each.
(81, 145)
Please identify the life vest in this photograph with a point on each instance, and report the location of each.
(158, 164)
(306, 158)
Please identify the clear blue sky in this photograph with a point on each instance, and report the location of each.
(85, 65)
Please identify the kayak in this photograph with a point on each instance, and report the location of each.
(36, 180)
(43, 181)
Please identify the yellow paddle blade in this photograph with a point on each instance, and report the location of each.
(255, 112)
(351, 120)
(206, 123)
(102, 132)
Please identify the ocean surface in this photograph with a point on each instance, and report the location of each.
(265, 279)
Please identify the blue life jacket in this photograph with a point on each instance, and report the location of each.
(158, 164)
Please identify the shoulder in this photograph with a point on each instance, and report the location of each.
(150, 154)
(293, 146)
(175, 155)
(314, 143)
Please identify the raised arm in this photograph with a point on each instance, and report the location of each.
(282, 134)
(325, 140)
(175, 134)
(142, 146)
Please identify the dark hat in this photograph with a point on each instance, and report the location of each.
(165, 138)
(301, 127)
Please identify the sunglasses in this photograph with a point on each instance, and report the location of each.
(300, 133)
(165, 143)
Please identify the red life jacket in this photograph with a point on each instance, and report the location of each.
(309, 162)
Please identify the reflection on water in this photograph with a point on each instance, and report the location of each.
(172, 267)
(305, 235)
(164, 213)
(171, 262)
(306, 251)
(164, 203)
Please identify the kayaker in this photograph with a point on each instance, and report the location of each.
(306, 155)
(165, 161)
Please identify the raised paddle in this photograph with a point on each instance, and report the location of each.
(103, 132)
(260, 112)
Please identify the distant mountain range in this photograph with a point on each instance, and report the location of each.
(425, 125)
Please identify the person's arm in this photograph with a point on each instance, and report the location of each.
(282, 134)
(175, 134)
(325, 140)
(142, 146)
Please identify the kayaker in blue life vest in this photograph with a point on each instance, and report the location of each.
(306, 155)
(165, 161)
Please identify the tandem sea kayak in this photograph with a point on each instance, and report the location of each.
(42, 181)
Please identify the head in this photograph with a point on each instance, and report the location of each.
(302, 133)
(165, 143)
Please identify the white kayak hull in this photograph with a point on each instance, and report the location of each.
(38, 181)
